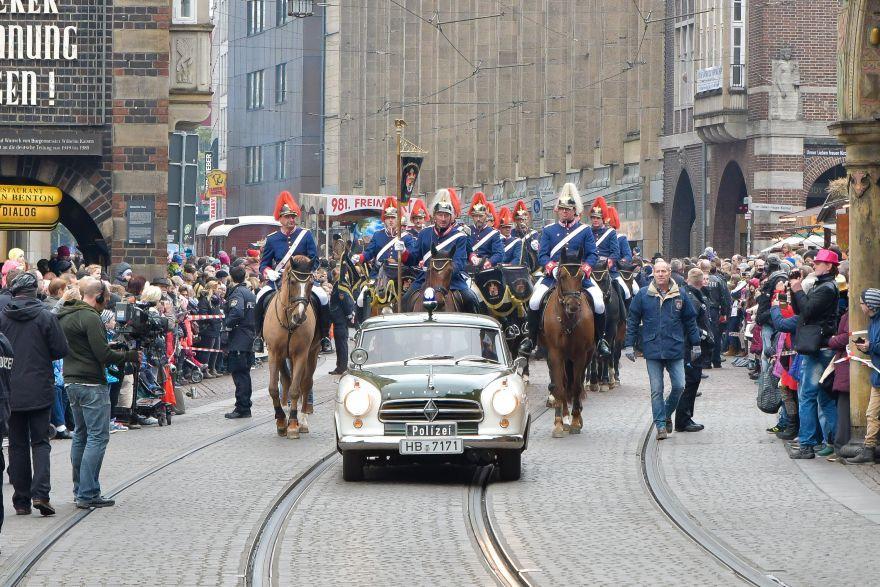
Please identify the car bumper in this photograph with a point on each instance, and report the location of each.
(471, 442)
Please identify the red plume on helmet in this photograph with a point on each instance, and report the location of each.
(520, 209)
(494, 214)
(505, 216)
(456, 202)
(602, 206)
(389, 208)
(613, 218)
(478, 204)
(419, 208)
(285, 204)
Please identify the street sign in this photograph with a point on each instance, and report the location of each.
(758, 207)
(536, 206)
(748, 215)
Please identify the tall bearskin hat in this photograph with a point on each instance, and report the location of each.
(389, 208)
(493, 216)
(478, 204)
(285, 205)
(613, 218)
(505, 216)
(599, 209)
(418, 209)
(520, 210)
(570, 198)
(443, 202)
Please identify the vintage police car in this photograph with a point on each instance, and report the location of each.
(431, 388)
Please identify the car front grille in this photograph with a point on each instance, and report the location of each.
(448, 410)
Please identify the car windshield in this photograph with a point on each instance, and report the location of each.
(396, 344)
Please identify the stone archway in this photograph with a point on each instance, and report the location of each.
(818, 191)
(684, 213)
(726, 233)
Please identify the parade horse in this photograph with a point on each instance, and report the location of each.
(290, 330)
(505, 291)
(568, 336)
(603, 370)
(439, 270)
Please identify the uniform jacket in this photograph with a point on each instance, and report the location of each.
(240, 318)
(89, 351)
(626, 253)
(667, 323)
(377, 243)
(718, 296)
(341, 304)
(6, 363)
(278, 243)
(491, 249)
(552, 234)
(609, 247)
(819, 306)
(37, 340)
(457, 248)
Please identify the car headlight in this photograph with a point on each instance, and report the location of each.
(357, 401)
(504, 401)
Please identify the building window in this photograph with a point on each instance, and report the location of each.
(737, 45)
(184, 12)
(281, 16)
(280, 83)
(255, 90)
(253, 164)
(281, 160)
(256, 17)
(221, 137)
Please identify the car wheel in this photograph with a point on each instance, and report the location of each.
(509, 464)
(352, 466)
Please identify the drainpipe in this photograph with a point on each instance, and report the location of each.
(705, 194)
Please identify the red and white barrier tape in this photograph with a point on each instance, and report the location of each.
(203, 349)
(205, 316)
(851, 357)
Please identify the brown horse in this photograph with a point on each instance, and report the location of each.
(568, 335)
(291, 333)
(439, 276)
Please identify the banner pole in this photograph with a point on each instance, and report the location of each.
(398, 127)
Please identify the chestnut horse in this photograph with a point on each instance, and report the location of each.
(290, 329)
(439, 277)
(567, 334)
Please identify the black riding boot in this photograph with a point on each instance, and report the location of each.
(324, 325)
(600, 335)
(259, 314)
(366, 310)
(528, 343)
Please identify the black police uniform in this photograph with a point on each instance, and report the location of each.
(240, 320)
(6, 357)
(341, 307)
(693, 370)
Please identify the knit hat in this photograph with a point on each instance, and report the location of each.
(24, 284)
(63, 251)
(870, 297)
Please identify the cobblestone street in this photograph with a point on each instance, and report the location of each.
(581, 514)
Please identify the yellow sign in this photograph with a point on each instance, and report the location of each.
(216, 183)
(30, 195)
(27, 216)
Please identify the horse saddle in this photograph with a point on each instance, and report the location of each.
(518, 281)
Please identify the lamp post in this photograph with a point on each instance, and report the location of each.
(300, 8)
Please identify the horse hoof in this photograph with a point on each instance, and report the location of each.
(566, 427)
(594, 387)
(525, 379)
(293, 433)
(604, 387)
(551, 401)
(558, 432)
(303, 424)
(575, 429)
(281, 426)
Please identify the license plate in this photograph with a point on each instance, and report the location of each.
(433, 429)
(432, 446)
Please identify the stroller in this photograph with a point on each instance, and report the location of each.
(185, 365)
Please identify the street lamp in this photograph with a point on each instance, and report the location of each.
(300, 8)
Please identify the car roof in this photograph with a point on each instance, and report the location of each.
(420, 318)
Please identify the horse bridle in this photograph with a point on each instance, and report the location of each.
(295, 277)
(439, 265)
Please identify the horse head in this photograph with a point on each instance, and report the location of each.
(602, 276)
(298, 285)
(569, 283)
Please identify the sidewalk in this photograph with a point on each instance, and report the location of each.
(805, 522)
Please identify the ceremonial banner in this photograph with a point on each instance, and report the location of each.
(410, 166)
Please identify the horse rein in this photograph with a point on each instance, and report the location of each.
(570, 316)
(300, 278)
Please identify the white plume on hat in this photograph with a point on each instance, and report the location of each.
(442, 199)
(570, 190)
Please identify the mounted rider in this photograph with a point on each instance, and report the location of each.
(525, 243)
(383, 246)
(505, 227)
(417, 217)
(626, 254)
(279, 248)
(447, 236)
(607, 245)
(567, 233)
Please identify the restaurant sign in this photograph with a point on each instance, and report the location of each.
(29, 207)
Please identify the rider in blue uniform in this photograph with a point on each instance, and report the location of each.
(626, 255)
(278, 245)
(417, 217)
(383, 246)
(448, 237)
(607, 245)
(567, 233)
(523, 251)
(505, 227)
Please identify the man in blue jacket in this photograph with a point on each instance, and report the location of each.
(667, 321)
(870, 304)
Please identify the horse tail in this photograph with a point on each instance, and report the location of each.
(285, 366)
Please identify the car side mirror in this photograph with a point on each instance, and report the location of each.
(519, 364)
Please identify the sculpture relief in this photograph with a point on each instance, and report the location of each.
(184, 66)
(785, 90)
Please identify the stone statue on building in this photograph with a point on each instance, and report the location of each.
(184, 66)
(785, 89)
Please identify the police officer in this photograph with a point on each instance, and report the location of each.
(280, 247)
(240, 309)
(6, 358)
(567, 233)
(341, 313)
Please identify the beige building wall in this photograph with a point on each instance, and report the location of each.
(514, 105)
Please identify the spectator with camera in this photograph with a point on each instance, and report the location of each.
(86, 383)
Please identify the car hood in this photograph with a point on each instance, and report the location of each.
(459, 381)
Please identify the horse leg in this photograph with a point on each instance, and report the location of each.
(594, 375)
(293, 394)
(567, 394)
(577, 422)
(557, 380)
(280, 417)
(553, 386)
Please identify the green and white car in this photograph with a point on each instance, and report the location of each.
(429, 388)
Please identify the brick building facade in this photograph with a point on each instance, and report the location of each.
(750, 91)
(124, 91)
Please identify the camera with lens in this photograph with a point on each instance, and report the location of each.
(138, 322)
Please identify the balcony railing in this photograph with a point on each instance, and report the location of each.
(737, 76)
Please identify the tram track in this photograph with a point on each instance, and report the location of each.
(670, 505)
(21, 564)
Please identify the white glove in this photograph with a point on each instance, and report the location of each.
(555, 272)
(355, 259)
(535, 245)
(400, 246)
(272, 275)
(630, 354)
